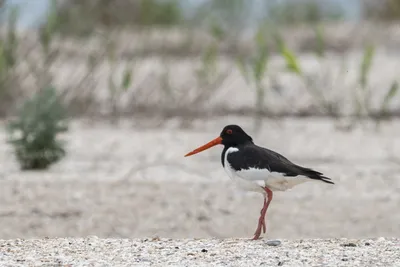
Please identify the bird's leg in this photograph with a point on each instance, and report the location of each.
(264, 227)
(263, 212)
(261, 220)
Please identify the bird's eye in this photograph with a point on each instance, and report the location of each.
(229, 131)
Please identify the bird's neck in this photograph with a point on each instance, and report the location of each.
(226, 147)
(223, 155)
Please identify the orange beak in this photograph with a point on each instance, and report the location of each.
(216, 141)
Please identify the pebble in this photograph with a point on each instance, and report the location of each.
(273, 243)
(350, 244)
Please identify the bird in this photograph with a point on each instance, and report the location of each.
(257, 169)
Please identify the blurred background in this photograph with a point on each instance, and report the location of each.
(100, 100)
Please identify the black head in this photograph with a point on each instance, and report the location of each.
(233, 135)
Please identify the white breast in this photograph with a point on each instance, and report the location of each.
(245, 184)
(253, 179)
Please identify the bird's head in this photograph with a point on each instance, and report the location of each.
(231, 135)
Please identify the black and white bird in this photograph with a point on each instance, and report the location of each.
(258, 169)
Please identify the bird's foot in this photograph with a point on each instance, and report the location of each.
(257, 236)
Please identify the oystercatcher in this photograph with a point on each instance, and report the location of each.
(258, 169)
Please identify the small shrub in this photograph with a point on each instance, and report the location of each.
(33, 133)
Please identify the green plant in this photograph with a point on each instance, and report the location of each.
(293, 66)
(253, 71)
(8, 59)
(46, 33)
(207, 72)
(116, 89)
(41, 69)
(390, 94)
(363, 104)
(361, 92)
(320, 45)
(34, 132)
(393, 90)
(208, 76)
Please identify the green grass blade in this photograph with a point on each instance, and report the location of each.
(292, 63)
(260, 38)
(241, 64)
(127, 79)
(389, 95)
(260, 65)
(3, 62)
(366, 64)
(217, 31)
(209, 59)
(279, 40)
(320, 49)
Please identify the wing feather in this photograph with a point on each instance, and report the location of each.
(261, 160)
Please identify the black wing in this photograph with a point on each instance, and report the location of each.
(253, 156)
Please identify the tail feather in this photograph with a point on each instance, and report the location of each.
(316, 175)
(326, 179)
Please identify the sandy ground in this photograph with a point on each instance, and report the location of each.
(135, 183)
(201, 252)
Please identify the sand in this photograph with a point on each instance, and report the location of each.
(135, 183)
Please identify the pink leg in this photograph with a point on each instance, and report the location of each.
(261, 220)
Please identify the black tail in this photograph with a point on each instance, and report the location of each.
(315, 175)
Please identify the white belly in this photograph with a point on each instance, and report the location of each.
(253, 179)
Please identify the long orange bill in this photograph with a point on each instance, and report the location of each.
(210, 144)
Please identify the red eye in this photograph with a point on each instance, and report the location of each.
(229, 131)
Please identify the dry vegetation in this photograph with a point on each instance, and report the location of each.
(99, 68)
